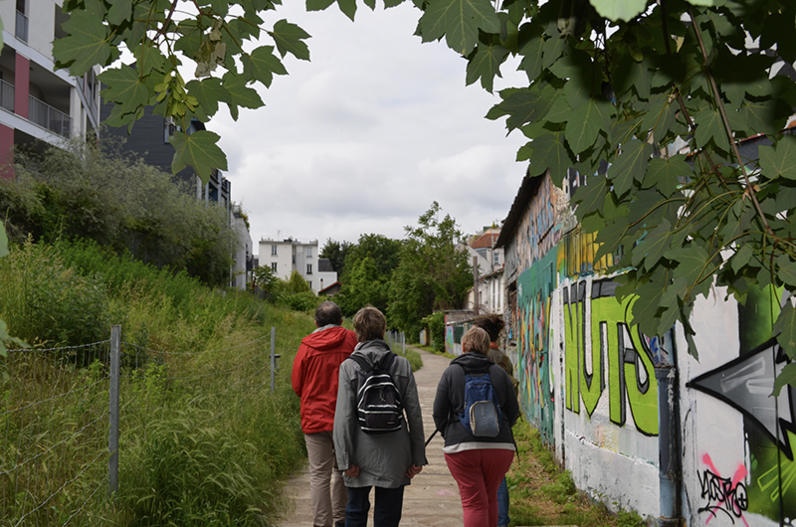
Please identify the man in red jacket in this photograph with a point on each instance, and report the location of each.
(315, 378)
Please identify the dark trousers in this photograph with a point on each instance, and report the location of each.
(386, 510)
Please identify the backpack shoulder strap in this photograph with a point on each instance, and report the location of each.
(363, 363)
(387, 361)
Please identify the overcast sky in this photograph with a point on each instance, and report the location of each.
(364, 137)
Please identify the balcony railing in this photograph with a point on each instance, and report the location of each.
(6, 95)
(48, 117)
(22, 27)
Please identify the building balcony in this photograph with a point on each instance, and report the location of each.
(22, 27)
(48, 117)
(6, 95)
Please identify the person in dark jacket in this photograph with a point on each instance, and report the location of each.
(478, 464)
(315, 376)
(493, 325)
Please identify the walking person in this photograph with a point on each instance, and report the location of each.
(387, 460)
(478, 463)
(493, 325)
(314, 378)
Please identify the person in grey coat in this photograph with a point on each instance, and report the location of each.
(387, 461)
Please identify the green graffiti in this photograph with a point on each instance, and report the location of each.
(631, 374)
(591, 378)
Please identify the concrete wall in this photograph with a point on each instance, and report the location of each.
(587, 381)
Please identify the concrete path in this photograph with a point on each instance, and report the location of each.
(432, 500)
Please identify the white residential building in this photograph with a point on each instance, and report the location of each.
(243, 257)
(37, 102)
(288, 255)
(490, 261)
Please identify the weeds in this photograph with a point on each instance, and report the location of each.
(542, 494)
(203, 439)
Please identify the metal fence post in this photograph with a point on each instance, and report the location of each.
(273, 358)
(113, 435)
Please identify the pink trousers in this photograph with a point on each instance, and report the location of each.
(479, 473)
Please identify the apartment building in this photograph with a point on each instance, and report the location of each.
(39, 105)
(288, 255)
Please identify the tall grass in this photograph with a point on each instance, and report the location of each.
(203, 439)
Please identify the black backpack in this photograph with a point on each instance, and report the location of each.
(379, 407)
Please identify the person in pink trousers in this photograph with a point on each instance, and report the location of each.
(478, 464)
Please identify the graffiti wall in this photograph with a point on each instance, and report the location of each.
(587, 381)
(738, 440)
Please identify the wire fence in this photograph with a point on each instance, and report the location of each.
(66, 411)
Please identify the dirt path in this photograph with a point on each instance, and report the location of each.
(432, 500)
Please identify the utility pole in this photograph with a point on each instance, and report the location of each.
(475, 284)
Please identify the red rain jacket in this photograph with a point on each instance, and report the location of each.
(315, 375)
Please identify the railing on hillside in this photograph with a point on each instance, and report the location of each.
(6, 95)
(21, 30)
(64, 410)
(397, 341)
(48, 117)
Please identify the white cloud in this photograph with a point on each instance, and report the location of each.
(365, 136)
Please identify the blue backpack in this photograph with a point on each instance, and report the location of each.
(482, 416)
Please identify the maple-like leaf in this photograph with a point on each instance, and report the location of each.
(87, 43)
(459, 21)
(780, 160)
(200, 151)
(262, 64)
(125, 88)
(288, 38)
(485, 64)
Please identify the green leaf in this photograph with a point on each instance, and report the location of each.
(585, 122)
(609, 239)
(619, 9)
(665, 174)
(208, 92)
(650, 250)
(785, 328)
(532, 58)
(3, 240)
(485, 64)
(550, 152)
(520, 107)
(786, 376)
(200, 151)
(348, 8)
(120, 11)
(786, 271)
(86, 45)
(459, 21)
(288, 38)
(629, 165)
(741, 258)
(240, 94)
(691, 262)
(779, 160)
(710, 127)
(124, 87)
(318, 5)
(591, 196)
(261, 65)
(760, 116)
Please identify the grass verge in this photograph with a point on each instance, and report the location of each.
(542, 494)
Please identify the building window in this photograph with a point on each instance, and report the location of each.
(308, 253)
(273, 266)
(309, 283)
(273, 250)
(309, 268)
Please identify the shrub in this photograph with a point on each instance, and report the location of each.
(436, 327)
(47, 303)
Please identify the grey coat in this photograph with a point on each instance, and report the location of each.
(383, 459)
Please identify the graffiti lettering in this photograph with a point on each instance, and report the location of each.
(727, 495)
